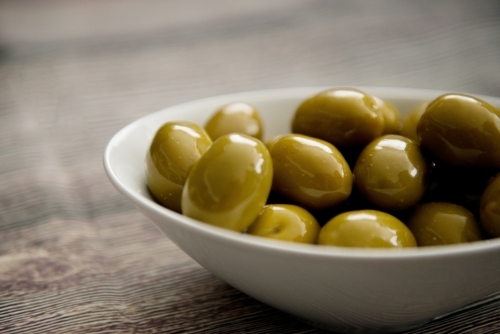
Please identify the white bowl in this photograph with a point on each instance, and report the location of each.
(347, 290)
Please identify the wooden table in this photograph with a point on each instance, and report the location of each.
(75, 256)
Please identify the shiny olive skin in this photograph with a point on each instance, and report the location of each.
(391, 115)
(441, 223)
(236, 117)
(461, 130)
(310, 171)
(366, 228)
(230, 183)
(392, 173)
(175, 148)
(344, 117)
(409, 128)
(489, 208)
(286, 222)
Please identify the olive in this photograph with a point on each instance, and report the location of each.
(286, 222)
(461, 130)
(366, 228)
(344, 117)
(489, 208)
(392, 173)
(392, 118)
(271, 141)
(236, 117)
(230, 183)
(442, 223)
(175, 148)
(310, 171)
(409, 128)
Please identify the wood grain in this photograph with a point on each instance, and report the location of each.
(75, 256)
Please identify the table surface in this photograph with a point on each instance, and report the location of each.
(75, 256)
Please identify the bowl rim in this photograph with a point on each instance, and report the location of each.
(265, 244)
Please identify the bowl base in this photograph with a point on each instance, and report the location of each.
(346, 329)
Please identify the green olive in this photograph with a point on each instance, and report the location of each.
(271, 141)
(310, 171)
(392, 173)
(343, 117)
(409, 128)
(392, 118)
(461, 130)
(230, 183)
(366, 228)
(236, 117)
(489, 208)
(441, 223)
(286, 222)
(175, 148)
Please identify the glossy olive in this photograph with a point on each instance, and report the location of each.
(310, 171)
(391, 115)
(489, 208)
(286, 222)
(271, 141)
(175, 148)
(391, 172)
(344, 117)
(238, 117)
(230, 183)
(461, 130)
(366, 228)
(409, 128)
(441, 223)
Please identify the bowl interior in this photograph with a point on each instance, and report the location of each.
(124, 155)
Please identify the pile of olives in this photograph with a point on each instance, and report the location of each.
(350, 173)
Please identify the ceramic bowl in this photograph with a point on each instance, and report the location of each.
(340, 289)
